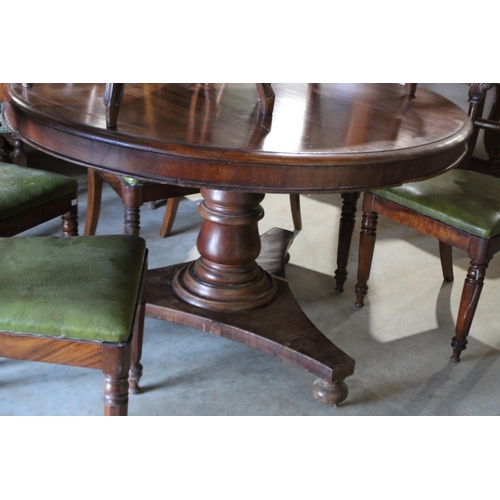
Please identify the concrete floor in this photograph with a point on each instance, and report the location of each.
(400, 339)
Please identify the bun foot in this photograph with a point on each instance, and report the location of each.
(332, 393)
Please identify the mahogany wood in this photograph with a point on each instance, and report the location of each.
(116, 361)
(133, 197)
(492, 136)
(65, 206)
(277, 328)
(226, 277)
(347, 221)
(17, 155)
(320, 138)
(479, 250)
(113, 97)
(13, 153)
(347, 150)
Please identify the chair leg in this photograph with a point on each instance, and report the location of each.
(347, 223)
(132, 220)
(295, 208)
(115, 366)
(366, 248)
(17, 155)
(468, 303)
(135, 372)
(4, 156)
(169, 217)
(445, 254)
(70, 222)
(94, 195)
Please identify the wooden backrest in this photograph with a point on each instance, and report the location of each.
(477, 94)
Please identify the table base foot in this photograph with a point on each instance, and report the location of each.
(280, 328)
(332, 393)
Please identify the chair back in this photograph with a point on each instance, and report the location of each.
(490, 125)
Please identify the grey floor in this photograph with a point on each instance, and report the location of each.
(400, 339)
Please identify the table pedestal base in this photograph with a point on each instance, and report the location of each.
(279, 328)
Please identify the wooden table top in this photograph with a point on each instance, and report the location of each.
(320, 137)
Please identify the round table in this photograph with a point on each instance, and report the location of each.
(320, 138)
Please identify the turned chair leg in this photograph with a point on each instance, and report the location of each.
(169, 217)
(17, 155)
(295, 209)
(468, 303)
(445, 254)
(366, 247)
(69, 222)
(347, 223)
(132, 220)
(94, 195)
(115, 366)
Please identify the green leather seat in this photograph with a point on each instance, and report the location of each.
(464, 199)
(23, 188)
(132, 181)
(74, 287)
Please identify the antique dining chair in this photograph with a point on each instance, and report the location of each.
(76, 301)
(68, 300)
(134, 193)
(12, 153)
(348, 220)
(30, 196)
(460, 208)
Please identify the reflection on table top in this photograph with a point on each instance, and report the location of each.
(312, 124)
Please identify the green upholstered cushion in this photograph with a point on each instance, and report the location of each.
(82, 287)
(463, 199)
(132, 181)
(23, 188)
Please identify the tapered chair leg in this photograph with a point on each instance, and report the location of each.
(94, 195)
(169, 217)
(295, 208)
(445, 254)
(366, 248)
(468, 303)
(135, 372)
(347, 223)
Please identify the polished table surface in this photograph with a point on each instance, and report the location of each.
(320, 138)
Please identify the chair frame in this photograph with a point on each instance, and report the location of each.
(479, 250)
(119, 362)
(66, 206)
(133, 197)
